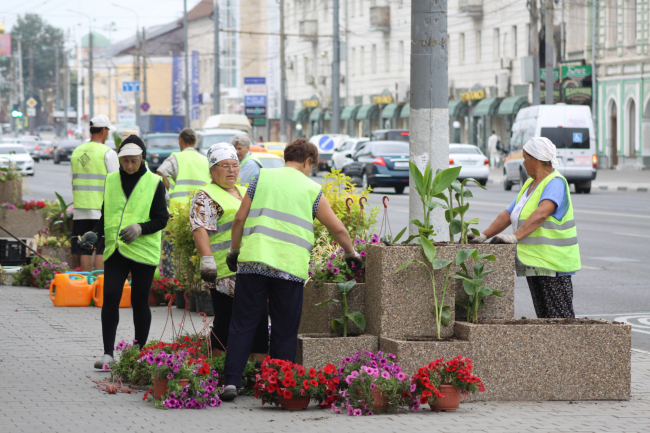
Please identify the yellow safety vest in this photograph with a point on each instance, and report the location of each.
(88, 175)
(193, 172)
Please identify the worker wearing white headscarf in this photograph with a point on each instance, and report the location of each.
(212, 211)
(544, 231)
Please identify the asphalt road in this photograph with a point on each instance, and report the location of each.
(613, 229)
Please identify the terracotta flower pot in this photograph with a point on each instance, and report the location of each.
(380, 403)
(450, 401)
(160, 387)
(293, 403)
(153, 300)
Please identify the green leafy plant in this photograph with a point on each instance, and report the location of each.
(58, 217)
(458, 191)
(184, 256)
(357, 317)
(9, 171)
(476, 291)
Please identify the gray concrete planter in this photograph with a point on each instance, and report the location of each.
(318, 320)
(318, 350)
(63, 254)
(413, 353)
(11, 191)
(22, 223)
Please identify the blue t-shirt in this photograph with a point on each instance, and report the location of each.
(556, 192)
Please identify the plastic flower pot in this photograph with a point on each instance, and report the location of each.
(180, 299)
(206, 304)
(192, 299)
(450, 401)
(293, 403)
(160, 387)
(153, 300)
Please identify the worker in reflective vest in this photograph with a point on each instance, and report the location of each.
(274, 228)
(544, 231)
(91, 162)
(134, 213)
(249, 164)
(187, 168)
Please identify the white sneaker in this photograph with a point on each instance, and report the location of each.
(106, 359)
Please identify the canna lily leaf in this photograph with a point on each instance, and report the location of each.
(327, 302)
(358, 319)
(346, 287)
(439, 263)
(444, 179)
(446, 315)
(464, 254)
(429, 249)
(399, 235)
(469, 179)
(489, 257)
(337, 324)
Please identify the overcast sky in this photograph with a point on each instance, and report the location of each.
(62, 14)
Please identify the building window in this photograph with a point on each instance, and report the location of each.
(611, 25)
(353, 63)
(478, 46)
(630, 23)
(360, 8)
(362, 64)
(515, 50)
(461, 48)
(401, 56)
(373, 59)
(387, 57)
(496, 46)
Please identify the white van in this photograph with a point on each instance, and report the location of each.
(229, 121)
(570, 128)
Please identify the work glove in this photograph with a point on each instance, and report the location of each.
(88, 240)
(473, 239)
(130, 233)
(353, 258)
(208, 269)
(231, 259)
(504, 239)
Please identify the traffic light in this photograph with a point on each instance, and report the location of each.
(16, 113)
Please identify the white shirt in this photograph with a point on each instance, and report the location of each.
(112, 165)
(492, 143)
(169, 167)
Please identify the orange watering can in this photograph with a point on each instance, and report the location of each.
(70, 292)
(97, 291)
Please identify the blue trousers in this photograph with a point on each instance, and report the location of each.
(249, 307)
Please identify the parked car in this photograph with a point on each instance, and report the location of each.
(15, 153)
(159, 147)
(474, 164)
(46, 148)
(269, 160)
(275, 147)
(64, 149)
(570, 128)
(45, 128)
(213, 136)
(327, 144)
(390, 135)
(381, 164)
(31, 143)
(344, 154)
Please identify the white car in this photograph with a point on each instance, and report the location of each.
(15, 153)
(208, 137)
(472, 161)
(344, 154)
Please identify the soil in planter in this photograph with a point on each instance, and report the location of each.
(524, 321)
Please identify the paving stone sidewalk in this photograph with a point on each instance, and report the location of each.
(47, 353)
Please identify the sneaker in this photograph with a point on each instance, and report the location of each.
(106, 359)
(229, 393)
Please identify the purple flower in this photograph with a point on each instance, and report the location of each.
(310, 273)
(401, 376)
(357, 412)
(334, 409)
(413, 387)
(352, 265)
(335, 271)
(385, 375)
(170, 376)
(332, 256)
(369, 413)
(372, 386)
(329, 265)
(35, 272)
(362, 253)
(105, 367)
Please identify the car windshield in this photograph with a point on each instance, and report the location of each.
(386, 148)
(464, 150)
(272, 162)
(568, 138)
(164, 142)
(7, 150)
(210, 139)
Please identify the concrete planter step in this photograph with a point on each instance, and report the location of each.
(318, 350)
(318, 320)
(413, 353)
(22, 223)
(11, 191)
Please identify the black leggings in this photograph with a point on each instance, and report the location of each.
(116, 271)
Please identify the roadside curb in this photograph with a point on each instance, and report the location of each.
(599, 187)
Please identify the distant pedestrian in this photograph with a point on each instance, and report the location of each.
(493, 152)
(260, 140)
(249, 164)
(91, 162)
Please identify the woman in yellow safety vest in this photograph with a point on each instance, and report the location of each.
(212, 211)
(274, 228)
(544, 231)
(134, 213)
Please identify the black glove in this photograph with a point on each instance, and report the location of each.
(208, 269)
(353, 258)
(88, 240)
(231, 259)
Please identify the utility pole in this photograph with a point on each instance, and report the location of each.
(14, 79)
(137, 76)
(283, 80)
(91, 91)
(143, 52)
(347, 56)
(335, 124)
(216, 91)
(533, 49)
(31, 84)
(21, 82)
(67, 96)
(562, 36)
(594, 42)
(187, 68)
(57, 93)
(549, 51)
(429, 118)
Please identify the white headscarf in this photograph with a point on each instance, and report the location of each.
(220, 151)
(543, 149)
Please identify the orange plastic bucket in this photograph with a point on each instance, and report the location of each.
(66, 292)
(97, 291)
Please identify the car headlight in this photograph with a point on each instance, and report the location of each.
(155, 160)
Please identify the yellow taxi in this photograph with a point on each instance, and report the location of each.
(275, 147)
(269, 160)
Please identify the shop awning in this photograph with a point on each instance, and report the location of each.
(328, 114)
(486, 107)
(298, 114)
(349, 112)
(390, 111)
(457, 108)
(315, 114)
(405, 111)
(366, 112)
(512, 105)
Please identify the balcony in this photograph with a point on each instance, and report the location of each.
(471, 8)
(380, 19)
(308, 30)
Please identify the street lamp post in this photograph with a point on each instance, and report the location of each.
(138, 46)
(91, 95)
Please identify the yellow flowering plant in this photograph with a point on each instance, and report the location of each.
(184, 256)
(44, 240)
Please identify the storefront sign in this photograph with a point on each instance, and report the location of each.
(556, 95)
(472, 96)
(382, 100)
(578, 95)
(310, 103)
(576, 71)
(556, 74)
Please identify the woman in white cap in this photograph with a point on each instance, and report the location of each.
(544, 231)
(134, 213)
(212, 211)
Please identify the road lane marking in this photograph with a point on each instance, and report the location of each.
(592, 268)
(574, 210)
(631, 234)
(639, 323)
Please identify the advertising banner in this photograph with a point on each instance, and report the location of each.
(177, 85)
(5, 45)
(194, 84)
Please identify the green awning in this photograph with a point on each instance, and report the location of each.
(390, 111)
(457, 108)
(298, 114)
(405, 111)
(486, 107)
(512, 105)
(315, 114)
(366, 112)
(349, 112)
(328, 114)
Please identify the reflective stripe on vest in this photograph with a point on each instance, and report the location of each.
(120, 212)
(193, 172)
(279, 229)
(553, 245)
(250, 157)
(220, 238)
(88, 175)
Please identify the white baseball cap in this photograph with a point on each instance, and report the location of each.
(130, 149)
(100, 121)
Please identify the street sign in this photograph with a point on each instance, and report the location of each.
(556, 74)
(259, 121)
(255, 111)
(130, 86)
(32, 102)
(126, 117)
(31, 111)
(255, 101)
(254, 89)
(145, 106)
(576, 71)
(254, 80)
